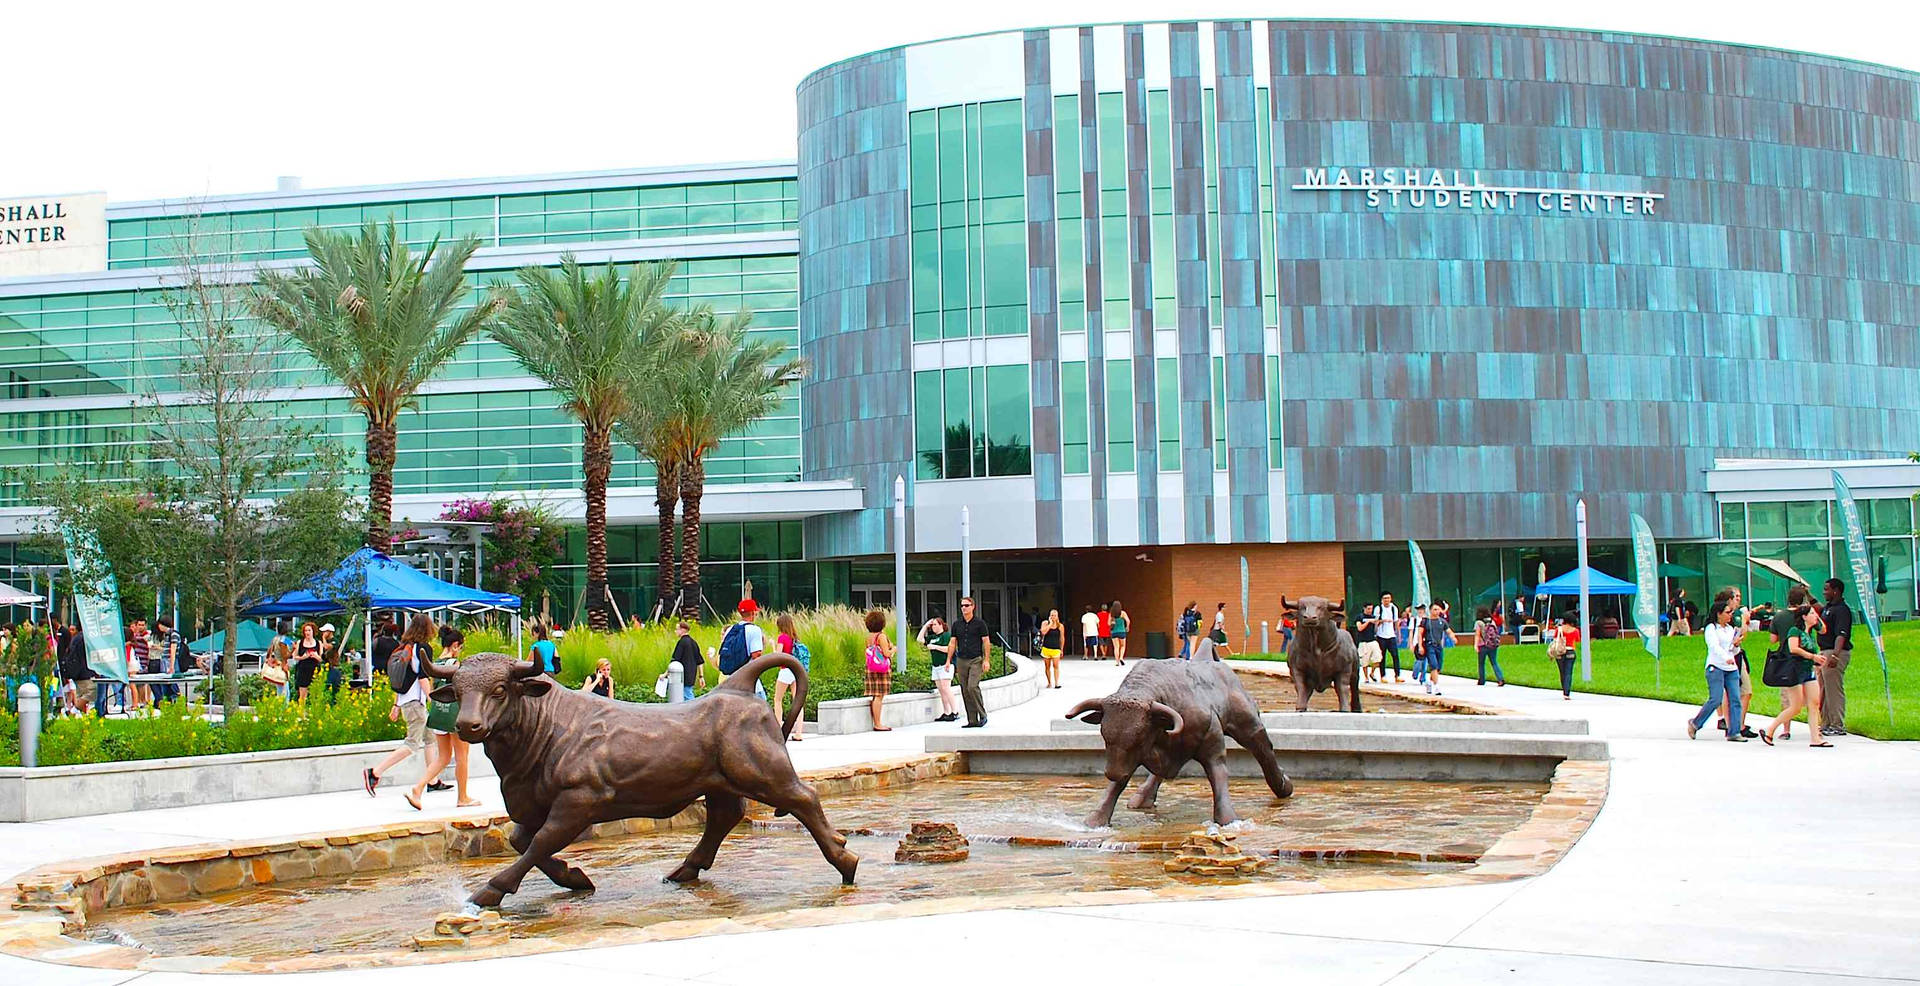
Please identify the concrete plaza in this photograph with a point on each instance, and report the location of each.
(1711, 863)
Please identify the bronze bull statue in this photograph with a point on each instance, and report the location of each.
(568, 760)
(1322, 654)
(1166, 713)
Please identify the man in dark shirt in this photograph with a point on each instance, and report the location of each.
(970, 652)
(686, 650)
(1836, 645)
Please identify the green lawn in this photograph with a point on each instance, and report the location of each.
(1623, 667)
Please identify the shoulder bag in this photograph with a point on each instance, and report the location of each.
(1782, 668)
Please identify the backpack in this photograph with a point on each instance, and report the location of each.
(733, 648)
(801, 654)
(400, 671)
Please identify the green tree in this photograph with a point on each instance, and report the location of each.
(588, 334)
(234, 504)
(717, 380)
(644, 427)
(382, 320)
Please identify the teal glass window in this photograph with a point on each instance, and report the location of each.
(929, 426)
(1009, 421)
(1113, 211)
(1766, 520)
(972, 421)
(1807, 518)
(1073, 418)
(1889, 516)
(1166, 404)
(1276, 447)
(967, 216)
(1070, 229)
(1219, 412)
(1119, 415)
(1733, 521)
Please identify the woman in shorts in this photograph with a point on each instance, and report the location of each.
(1053, 636)
(786, 643)
(939, 642)
(1120, 622)
(1804, 644)
(443, 745)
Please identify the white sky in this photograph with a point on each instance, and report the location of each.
(181, 99)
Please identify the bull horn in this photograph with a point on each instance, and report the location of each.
(1178, 723)
(440, 670)
(1086, 706)
(1284, 604)
(522, 669)
(1341, 606)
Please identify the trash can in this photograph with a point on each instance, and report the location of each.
(1157, 644)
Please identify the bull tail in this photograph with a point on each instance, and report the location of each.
(743, 680)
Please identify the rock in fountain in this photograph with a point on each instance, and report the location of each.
(933, 842)
(1212, 853)
(454, 929)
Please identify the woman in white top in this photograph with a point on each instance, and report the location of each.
(1723, 673)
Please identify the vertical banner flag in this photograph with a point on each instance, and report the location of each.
(1422, 592)
(1246, 611)
(96, 600)
(1862, 569)
(1646, 602)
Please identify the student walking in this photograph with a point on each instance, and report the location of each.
(444, 746)
(1836, 645)
(1723, 674)
(1486, 644)
(1563, 648)
(1802, 644)
(1386, 630)
(686, 650)
(1052, 636)
(1120, 624)
(787, 643)
(1219, 632)
(971, 651)
(1189, 628)
(1090, 632)
(408, 673)
(1106, 629)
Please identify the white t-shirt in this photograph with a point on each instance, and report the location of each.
(1389, 616)
(1720, 653)
(1089, 625)
(1219, 619)
(416, 692)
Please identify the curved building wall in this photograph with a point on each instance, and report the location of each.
(1241, 281)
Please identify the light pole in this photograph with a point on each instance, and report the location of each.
(900, 573)
(966, 551)
(1586, 623)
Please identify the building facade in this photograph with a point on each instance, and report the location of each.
(1157, 302)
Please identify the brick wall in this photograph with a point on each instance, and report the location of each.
(1153, 591)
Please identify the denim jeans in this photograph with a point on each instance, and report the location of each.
(1491, 655)
(1722, 683)
(1566, 674)
(101, 688)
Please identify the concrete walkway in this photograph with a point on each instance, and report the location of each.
(1712, 863)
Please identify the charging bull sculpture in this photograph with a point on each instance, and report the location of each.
(568, 760)
(1322, 654)
(1166, 713)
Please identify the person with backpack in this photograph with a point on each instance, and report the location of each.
(787, 643)
(742, 642)
(406, 670)
(1563, 644)
(879, 666)
(1486, 643)
(1189, 628)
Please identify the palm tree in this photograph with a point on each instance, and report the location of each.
(382, 320)
(587, 334)
(645, 428)
(718, 381)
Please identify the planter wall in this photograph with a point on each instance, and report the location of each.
(851, 715)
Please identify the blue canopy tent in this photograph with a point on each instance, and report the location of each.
(1598, 584)
(372, 580)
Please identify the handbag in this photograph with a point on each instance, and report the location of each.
(442, 716)
(1557, 648)
(273, 676)
(1782, 669)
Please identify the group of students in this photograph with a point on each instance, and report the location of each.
(156, 650)
(430, 724)
(1381, 631)
(1809, 648)
(293, 662)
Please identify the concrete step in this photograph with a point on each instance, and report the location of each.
(1385, 722)
(1333, 754)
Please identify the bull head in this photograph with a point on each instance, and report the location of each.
(487, 688)
(1129, 728)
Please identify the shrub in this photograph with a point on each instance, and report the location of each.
(181, 730)
(9, 738)
(252, 686)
